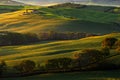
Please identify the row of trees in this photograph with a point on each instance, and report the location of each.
(86, 59)
(68, 5)
(79, 61)
(52, 35)
(83, 60)
(12, 38)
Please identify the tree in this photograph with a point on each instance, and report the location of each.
(2, 67)
(109, 42)
(25, 66)
(105, 51)
(87, 57)
(118, 50)
(59, 63)
(117, 44)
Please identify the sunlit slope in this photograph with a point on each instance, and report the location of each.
(8, 8)
(46, 50)
(73, 20)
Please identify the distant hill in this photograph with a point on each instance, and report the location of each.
(88, 2)
(90, 19)
(107, 2)
(10, 2)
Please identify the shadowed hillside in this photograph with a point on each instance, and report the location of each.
(47, 50)
(60, 19)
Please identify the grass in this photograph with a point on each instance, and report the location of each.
(94, 75)
(83, 14)
(7, 8)
(61, 19)
(41, 52)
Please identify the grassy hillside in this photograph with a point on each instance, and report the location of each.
(93, 75)
(40, 52)
(60, 19)
(8, 8)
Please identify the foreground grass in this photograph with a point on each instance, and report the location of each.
(93, 75)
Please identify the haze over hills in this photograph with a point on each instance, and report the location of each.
(10, 2)
(107, 2)
(62, 19)
(69, 19)
(90, 2)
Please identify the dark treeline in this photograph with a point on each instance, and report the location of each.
(85, 60)
(52, 35)
(68, 5)
(12, 38)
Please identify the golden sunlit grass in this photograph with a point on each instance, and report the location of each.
(17, 21)
(49, 20)
(41, 52)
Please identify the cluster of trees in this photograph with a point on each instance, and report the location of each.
(52, 35)
(3, 67)
(11, 38)
(87, 59)
(68, 5)
(80, 60)
(111, 43)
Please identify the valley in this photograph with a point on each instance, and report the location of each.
(25, 22)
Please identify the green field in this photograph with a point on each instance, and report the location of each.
(61, 19)
(93, 75)
(88, 19)
(43, 51)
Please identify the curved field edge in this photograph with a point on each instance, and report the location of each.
(93, 75)
(41, 52)
(60, 19)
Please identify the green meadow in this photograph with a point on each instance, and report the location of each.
(93, 75)
(60, 19)
(41, 52)
(89, 19)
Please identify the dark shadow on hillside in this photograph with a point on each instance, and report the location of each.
(88, 27)
(59, 52)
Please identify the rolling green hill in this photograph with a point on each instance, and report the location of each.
(92, 75)
(43, 51)
(60, 19)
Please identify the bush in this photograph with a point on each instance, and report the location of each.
(59, 64)
(2, 67)
(12, 38)
(105, 51)
(88, 56)
(108, 42)
(117, 44)
(25, 66)
(118, 50)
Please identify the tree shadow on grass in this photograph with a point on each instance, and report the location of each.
(59, 52)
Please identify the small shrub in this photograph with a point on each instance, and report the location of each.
(25, 66)
(59, 63)
(105, 51)
(88, 56)
(108, 42)
(118, 50)
(117, 44)
(2, 67)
